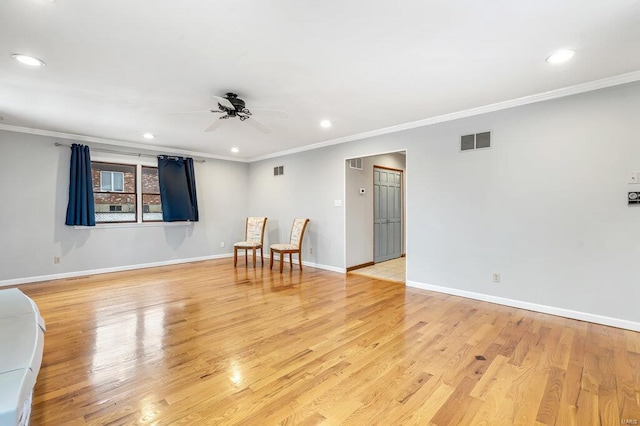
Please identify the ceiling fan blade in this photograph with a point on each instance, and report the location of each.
(214, 126)
(277, 113)
(258, 125)
(223, 101)
(194, 112)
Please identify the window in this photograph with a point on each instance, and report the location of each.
(151, 206)
(111, 181)
(114, 192)
(120, 189)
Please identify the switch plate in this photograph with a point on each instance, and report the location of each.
(633, 177)
(337, 203)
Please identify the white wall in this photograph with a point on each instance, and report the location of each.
(545, 207)
(34, 183)
(312, 181)
(359, 207)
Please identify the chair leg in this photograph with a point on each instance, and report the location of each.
(261, 256)
(254, 257)
(271, 260)
(300, 259)
(290, 261)
(281, 260)
(235, 256)
(246, 257)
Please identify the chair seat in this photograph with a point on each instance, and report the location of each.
(247, 244)
(284, 247)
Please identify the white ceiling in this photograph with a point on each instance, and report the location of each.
(117, 68)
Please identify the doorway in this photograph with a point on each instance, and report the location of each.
(368, 249)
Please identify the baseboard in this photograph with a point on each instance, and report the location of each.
(27, 280)
(566, 313)
(309, 264)
(18, 281)
(362, 265)
(325, 267)
(306, 263)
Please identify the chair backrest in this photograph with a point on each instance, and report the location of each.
(255, 229)
(297, 231)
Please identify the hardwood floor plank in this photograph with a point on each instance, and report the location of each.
(550, 403)
(205, 343)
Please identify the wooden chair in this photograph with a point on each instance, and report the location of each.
(294, 246)
(254, 236)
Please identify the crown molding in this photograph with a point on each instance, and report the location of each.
(525, 100)
(156, 149)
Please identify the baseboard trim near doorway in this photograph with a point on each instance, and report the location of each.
(363, 265)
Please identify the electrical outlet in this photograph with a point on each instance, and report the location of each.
(496, 277)
(56, 260)
(221, 244)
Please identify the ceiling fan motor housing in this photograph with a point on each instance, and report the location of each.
(237, 103)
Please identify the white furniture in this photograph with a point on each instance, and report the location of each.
(21, 344)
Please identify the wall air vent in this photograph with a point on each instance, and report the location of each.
(278, 171)
(355, 163)
(476, 141)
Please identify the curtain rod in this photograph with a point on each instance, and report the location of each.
(135, 154)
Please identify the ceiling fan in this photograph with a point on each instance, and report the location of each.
(232, 106)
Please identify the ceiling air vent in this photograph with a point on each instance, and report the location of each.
(476, 141)
(278, 171)
(355, 163)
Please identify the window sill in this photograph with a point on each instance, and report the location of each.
(134, 225)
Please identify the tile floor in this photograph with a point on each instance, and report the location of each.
(391, 270)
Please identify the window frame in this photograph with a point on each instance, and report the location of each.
(123, 192)
(138, 163)
(142, 193)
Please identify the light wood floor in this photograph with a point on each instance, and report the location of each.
(205, 343)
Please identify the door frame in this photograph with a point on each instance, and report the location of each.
(363, 154)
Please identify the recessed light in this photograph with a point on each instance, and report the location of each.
(148, 136)
(561, 56)
(235, 150)
(28, 60)
(325, 124)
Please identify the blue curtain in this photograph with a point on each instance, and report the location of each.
(177, 181)
(80, 210)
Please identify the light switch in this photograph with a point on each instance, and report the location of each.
(633, 177)
(337, 203)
